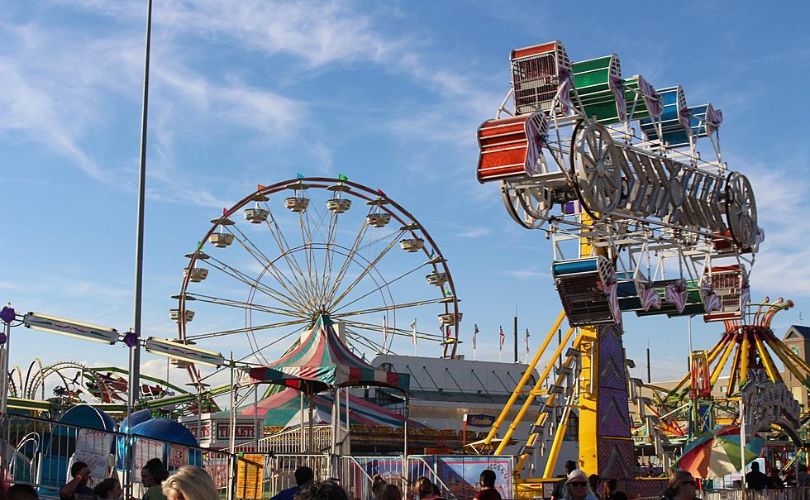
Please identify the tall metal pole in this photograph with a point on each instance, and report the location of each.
(7, 452)
(516, 339)
(134, 382)
(135, 358)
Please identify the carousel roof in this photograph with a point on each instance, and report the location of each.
(283, 409)
(322, 361)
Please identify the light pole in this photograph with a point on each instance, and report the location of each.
(7, 315)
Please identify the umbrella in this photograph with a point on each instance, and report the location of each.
(717, 453)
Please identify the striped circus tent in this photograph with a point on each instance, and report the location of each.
(282, 409)
(321, 362)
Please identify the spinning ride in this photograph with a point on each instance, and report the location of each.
(745, 348)
(639, 219)
(292, 252)
(62, 385)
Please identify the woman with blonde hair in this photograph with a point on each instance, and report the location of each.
(190, 483)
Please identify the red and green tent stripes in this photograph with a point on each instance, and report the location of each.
(321, 361)
(283, 409)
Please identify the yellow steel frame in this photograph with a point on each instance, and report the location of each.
(519, 388)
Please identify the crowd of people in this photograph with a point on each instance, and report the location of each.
(187, 483)
(307, 488)
(193, 483)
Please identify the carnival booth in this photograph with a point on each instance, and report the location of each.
(320, 363)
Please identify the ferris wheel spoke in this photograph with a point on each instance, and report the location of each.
(251, 248)
(328, 258)
(392, 307)
(394, 331)
(243, 305)
(384, 284)
(309, 253)
(346, 262)
(244, 358)
(286, 254)
(376, 347)
(371, 265)
(293, 302)
(247, 329)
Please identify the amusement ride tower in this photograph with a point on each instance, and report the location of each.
(609, 167)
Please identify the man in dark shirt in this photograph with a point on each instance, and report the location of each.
(755, 479)
(557, 494)
(487, 491)
(303, 476)
(76, 488)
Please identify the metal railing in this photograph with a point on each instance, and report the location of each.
(40, 452)
(767, 494)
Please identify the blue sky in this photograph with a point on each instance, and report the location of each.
(389, 94)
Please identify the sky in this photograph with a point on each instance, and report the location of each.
(389, 94)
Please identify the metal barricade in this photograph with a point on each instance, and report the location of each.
(40, 452)
(279, 470)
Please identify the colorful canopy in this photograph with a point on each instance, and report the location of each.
(284, 408)
(718, 453)
(322, 361)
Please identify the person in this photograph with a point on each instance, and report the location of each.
(570, 466)
(423, 489)
(487, 482)
(756, 480)
(153, 474)
(76, 488)
(322, 490)
(611, 491)
(303, 476)
(190, 483)
(803, 479)
(593, 482)
(108, 489)
(681, 486)
(21, 491)
(377, 486)
(391, 492)
(774, 481)
(577, 487)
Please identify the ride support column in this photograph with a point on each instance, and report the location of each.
(605, 443)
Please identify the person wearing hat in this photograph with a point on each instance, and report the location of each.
(577, 487)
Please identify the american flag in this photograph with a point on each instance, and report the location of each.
(502, 336)
(475, 334)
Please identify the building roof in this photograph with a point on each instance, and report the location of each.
(438, 375)
(797, 331)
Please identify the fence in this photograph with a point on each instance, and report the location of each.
(456, 476)
(40, 452)
(771, 494)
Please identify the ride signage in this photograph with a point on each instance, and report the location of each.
(479, 419)
(242, 431)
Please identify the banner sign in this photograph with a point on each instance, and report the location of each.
(479, 419)
(462, 474)
(178, 456)
(246, 431)
(205, 430)
(93, 448)
(250, 477)
(145, 450)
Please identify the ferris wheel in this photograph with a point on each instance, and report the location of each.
(290, 252)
